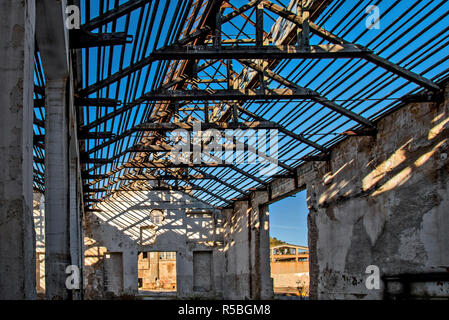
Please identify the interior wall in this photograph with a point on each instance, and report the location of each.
(382, 201)
(189, 226)
(247, 249)
(237, 254)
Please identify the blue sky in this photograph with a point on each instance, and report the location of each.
(389, 10)
(311, 119)
(288, 219)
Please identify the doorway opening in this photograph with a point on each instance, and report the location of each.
(157, 271)
(289, 252)
(202, 271)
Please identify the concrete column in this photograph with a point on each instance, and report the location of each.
(57, 215)
(239, 250)
(76, 232)
(262, 285)
(17, 243)
(229, 281)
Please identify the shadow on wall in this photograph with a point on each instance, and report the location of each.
(383, 201)
(125, 225)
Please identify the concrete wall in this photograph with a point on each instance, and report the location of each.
(17, 256)
(382, 201)
(247, 249)
(379, 200)
(237, 284)
(290, 276)
(189, 226)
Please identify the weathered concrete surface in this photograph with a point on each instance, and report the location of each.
(75, 196)
(247, 249)
(57, 213)
(53, 38)
(237, 284)
(382, 201)
(262, 284)
(61, 194)
(290, 277)
(17, 253)
(124, 226)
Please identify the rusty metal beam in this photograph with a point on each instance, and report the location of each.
(315, 97)
(323, 51)
(239, 11)
(264, 52)
(145, 177)
(94, 176)
(167, 165)
(287, 132)
(169, 126)
(95, 190)
(39, 160)
(158, 188)
(230, 186)
(208, 192)
(238, 94)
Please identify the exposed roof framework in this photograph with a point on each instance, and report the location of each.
(314, 72)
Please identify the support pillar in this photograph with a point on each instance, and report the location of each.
(266, 282)
(17, 237)
(76, 193)
(57, 191)
(262, 285)
(76, 231)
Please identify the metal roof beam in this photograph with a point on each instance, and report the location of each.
(322, 51)
(114, 14)
(237, 94)
(169, 126)
(316, 97)
(372, 57)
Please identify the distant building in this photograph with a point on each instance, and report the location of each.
(290, 269)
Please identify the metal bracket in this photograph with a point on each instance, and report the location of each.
(85, 39)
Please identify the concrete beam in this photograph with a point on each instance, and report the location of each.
(262, 285)
(17, 238)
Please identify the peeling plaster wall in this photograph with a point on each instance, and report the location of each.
(247, 249)
(185, 229)
(382, 201)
